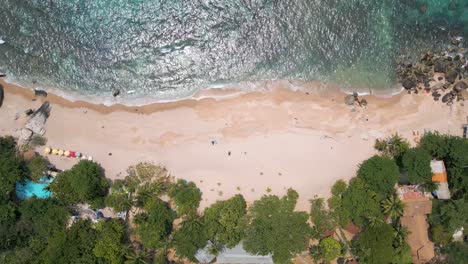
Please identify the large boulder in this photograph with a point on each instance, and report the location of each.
(460, 86)
(439, 66)
(446, 98)
(451, 75)
(349, 99)
(38, 119)
(408, 84)
(24, 136)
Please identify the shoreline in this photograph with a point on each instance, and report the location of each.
(277, 139)
(216, 93)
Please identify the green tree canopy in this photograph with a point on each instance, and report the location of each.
(329, 248)
(84, 182)
(155, 225)
(7, 146)
(417, 162)
(186, 196)
(435, 144)
(394, 146)
(111, 242)
(456, 253)
(12, 170)
(74, 245)
(276, 228)
(338, 212)
(120, 201)
(225, 221)
(320, 216)
(374, 245)
(361, 202)
(189, 238)
(38, 167)
(380, 174)
(393, 207)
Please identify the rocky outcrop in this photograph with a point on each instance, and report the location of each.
(38, 119)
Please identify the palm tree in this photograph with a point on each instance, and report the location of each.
(374, 221)
(137, 257)
(393, 207)
(400, 233)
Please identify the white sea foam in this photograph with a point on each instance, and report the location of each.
(2, 41)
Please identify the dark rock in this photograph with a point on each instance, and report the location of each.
(446, 86)
(439, 66)
(455, 42)
(456, 58)
(437, 87)
(349, 99)
(1, 95)
(408, 84)
(435, 94)
(446, 98)
(436, 98)
(451, 75)
(40, 93)
(452, 5)
(363, 102)
(460, 86)
(423, 9)
(2, 74)
(440, 78)
(115, 92)
(29, 112)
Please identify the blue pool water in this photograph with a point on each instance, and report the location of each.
(27, 188)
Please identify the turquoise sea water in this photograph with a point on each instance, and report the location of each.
(171, 48)
(27, 188)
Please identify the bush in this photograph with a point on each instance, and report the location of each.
(186, 196)
(38, 167)
(189, 238)
(380, 174)
(417, 162)
(84, 182)
(330, 249)
(374, 245)
(37, 140)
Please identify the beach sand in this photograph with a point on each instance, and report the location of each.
(280, 139)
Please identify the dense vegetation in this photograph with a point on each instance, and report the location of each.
(164, 214)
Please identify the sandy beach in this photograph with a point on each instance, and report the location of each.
(279, 139)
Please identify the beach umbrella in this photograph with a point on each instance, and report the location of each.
(90, 158)
(83, 157)
(54, 151)
(47, 150)
(72, 154)
(67, 153)
(60, 152)
(77, 154)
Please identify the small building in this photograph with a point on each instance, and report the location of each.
(439, 176)
(237, 255)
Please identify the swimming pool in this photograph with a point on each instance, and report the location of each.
(27, 188)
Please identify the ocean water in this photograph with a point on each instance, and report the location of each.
(169, 49)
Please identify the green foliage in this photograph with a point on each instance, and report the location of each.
(338, 212)
(393, 207)
(111, 241)
(82, 183)
(225, 221)
(330, 249)
(72, 246)
(417, 162)
(138, 257)
(38, 167)
(319, 215)
(186, 196)
(456, 253)
(402, 255)
(451, 214)
(120, 201)
(155, 225)
(435, 144)
(276, 228)
(7, 146)
(394, 146)
(8, 215)
(440, 236)
(37, 140)
(361, 202)
(374, 245)
(189, 238)
(12, 170)
(380, 174)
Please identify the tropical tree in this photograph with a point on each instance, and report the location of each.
(225, 221)
(84, 182)
(37, 166)
(393, 207)
(400, 232)
(186, 196)
(338, 212)
(394, 146)
(375, 244)
(275, 228)
(319, 215)
(329, 248)
(189, 238)
(417, 162)
(154, 225)
(111, 241)
(380, 174)
(361, 202)
(137, 257)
